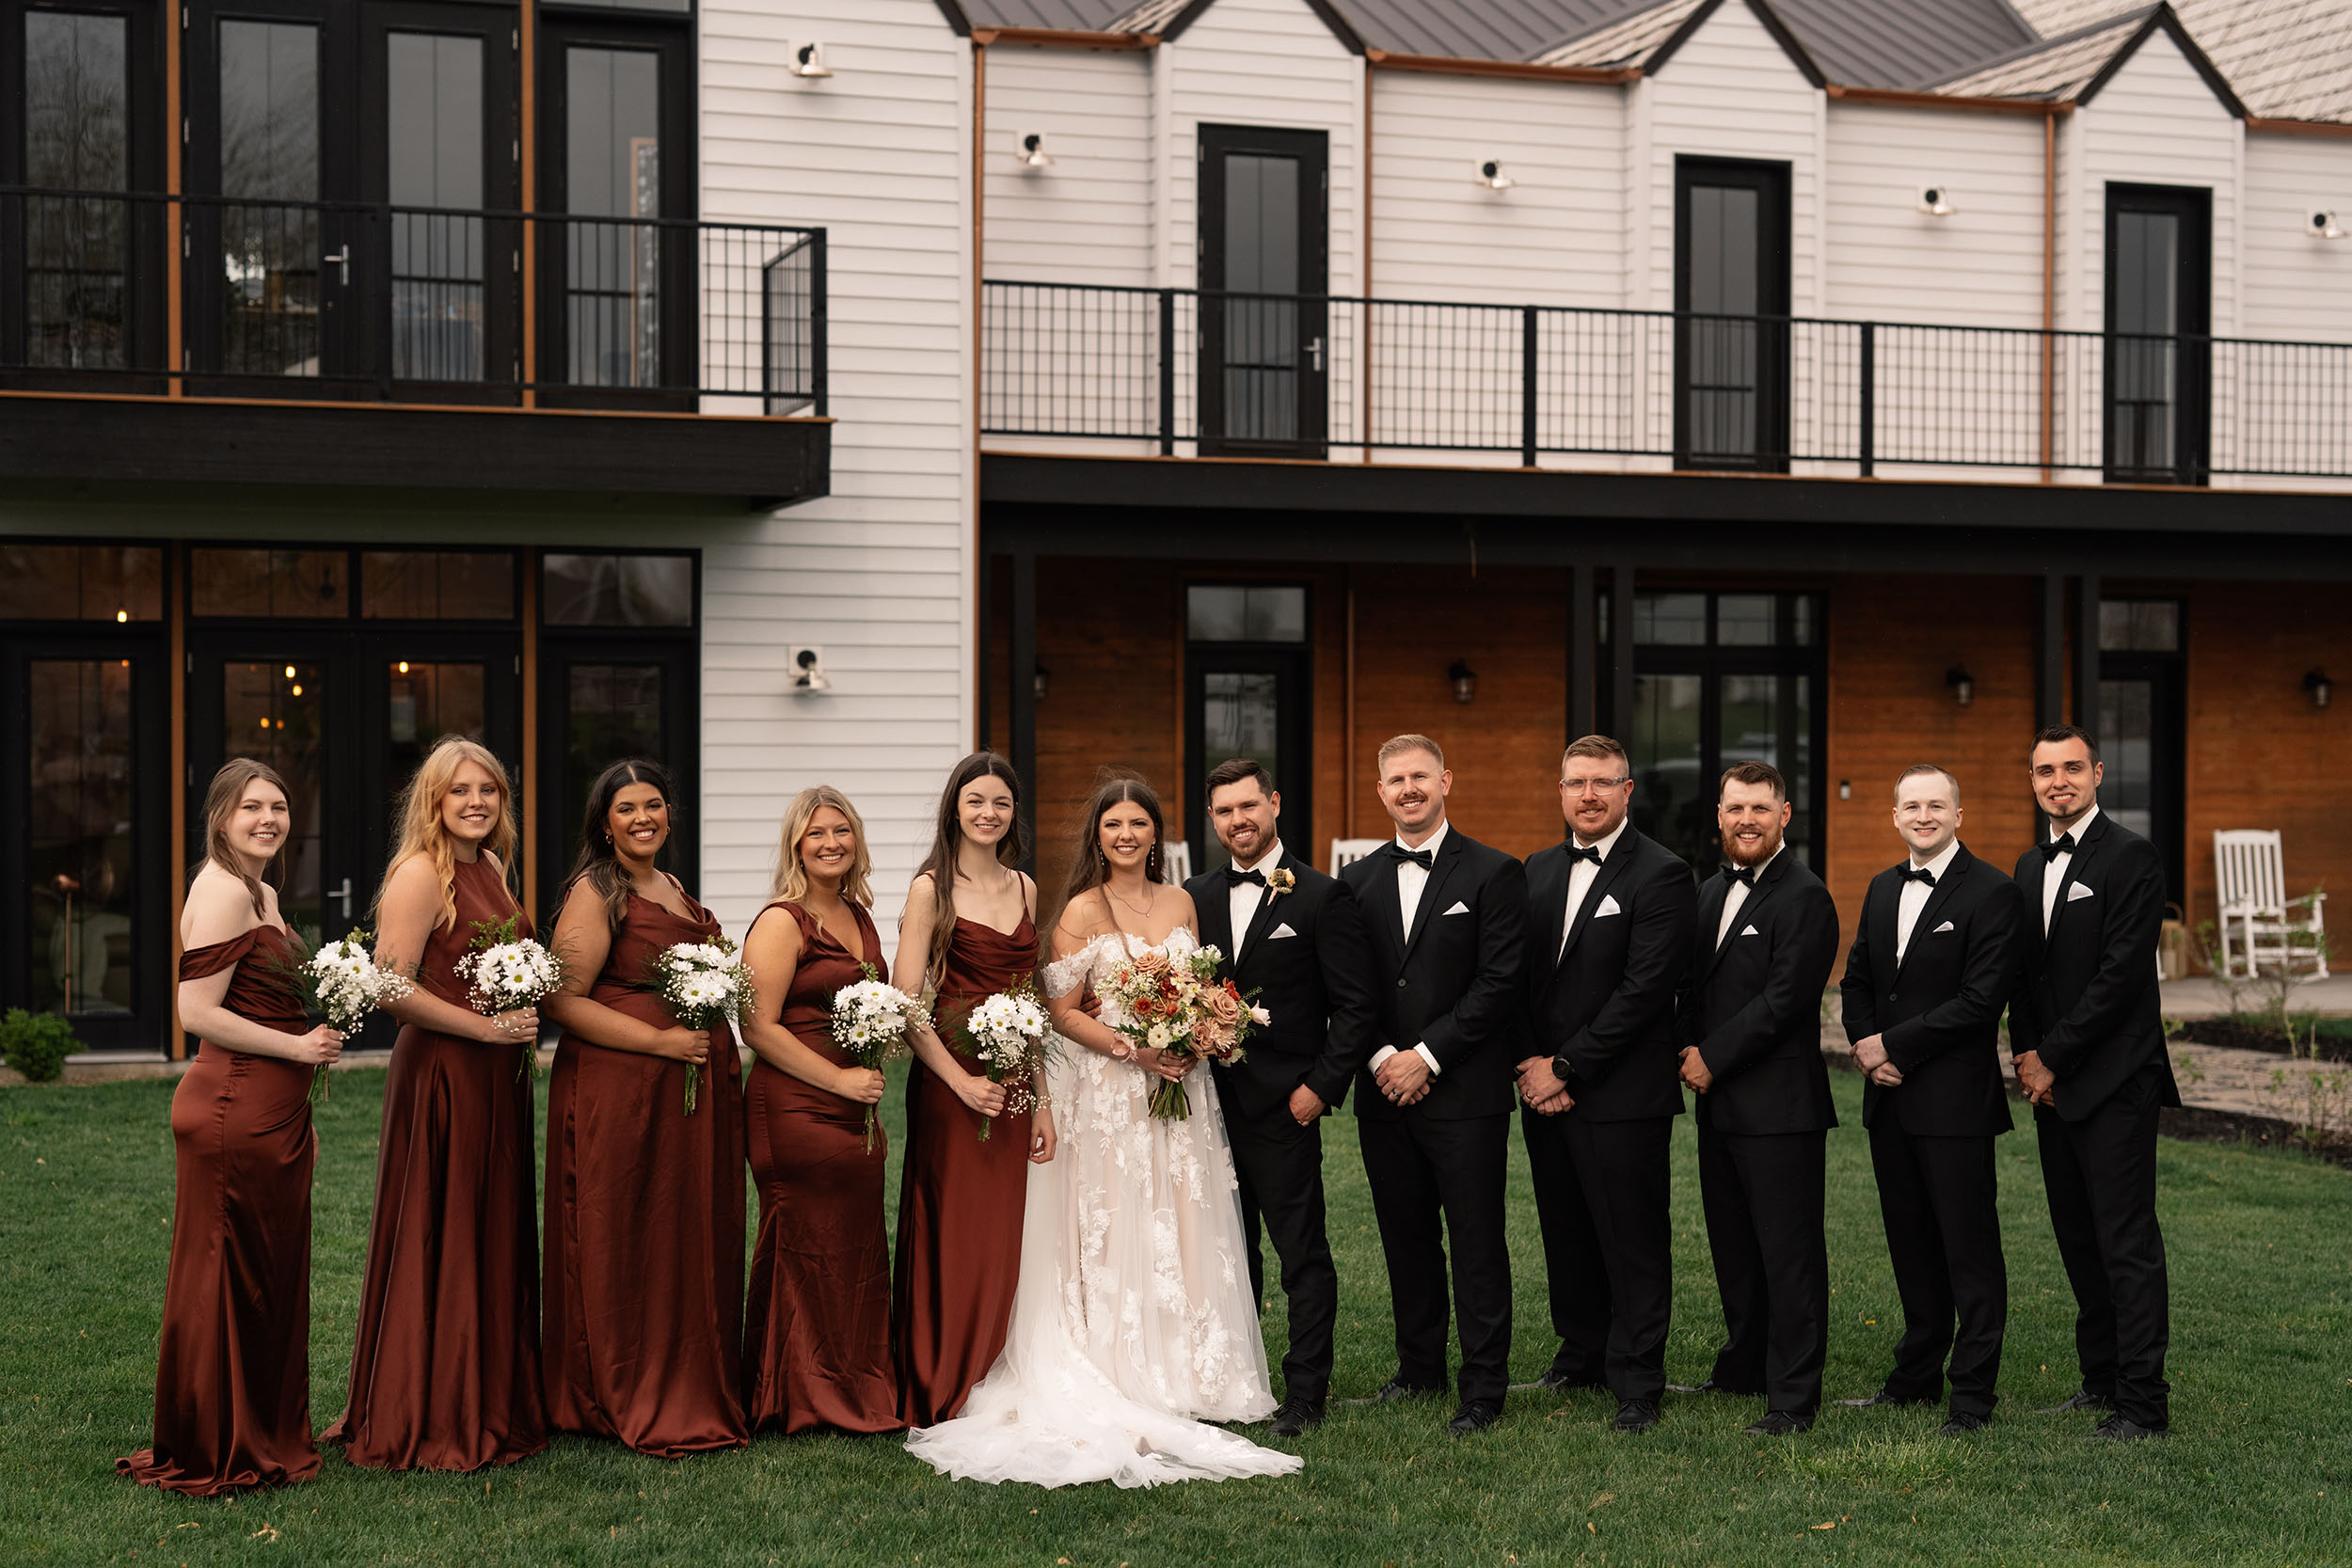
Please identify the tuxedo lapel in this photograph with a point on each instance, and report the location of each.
(1765, 884)
(1608, 874)
(1552, 898)
(1883, 913)
(1938, 895)
(2089, 846)
(1386, 911)
(1259, 921)
(1217, 920)
(1711, 895)
(1440, 874)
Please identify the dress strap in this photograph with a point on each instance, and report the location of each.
(200, 963)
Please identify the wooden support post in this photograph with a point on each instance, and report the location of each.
(176, 780)
(536, 797)
(175, 331)
(1583, 653)
(526, 189)
(1022, 678)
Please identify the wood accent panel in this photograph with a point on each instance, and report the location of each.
(1900, 99)
(176, 780)
(527, 183)
(1521, 69)
(537, 797)
(174, 325)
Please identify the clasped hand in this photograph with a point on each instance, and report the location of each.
(1869, 1054)
(1171, 1065)
(1541, 1088)
(1403, 1077)
(2039, 1082)
(1694, 1070)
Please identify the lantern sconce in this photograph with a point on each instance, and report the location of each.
(807, 61)
(1963, 685)
(2320, 687)
(1465, 681)
(1037, 682)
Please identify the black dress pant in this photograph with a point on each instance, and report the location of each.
(1763, 1195)
(2100, 1175)
(1437, 1187)
(1940, 1202)
(1280, 1167)
(1602, 1200)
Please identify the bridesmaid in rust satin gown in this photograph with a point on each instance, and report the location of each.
(445, 1369)
(816, 1330)
(961, 1200)
(233, 1377)
(643, 1330)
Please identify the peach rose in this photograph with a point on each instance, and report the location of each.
(1151, 965)
(1222, 1006)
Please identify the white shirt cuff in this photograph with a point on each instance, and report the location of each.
(1431, 1057)
(1388, 1051)
(1380, 1055)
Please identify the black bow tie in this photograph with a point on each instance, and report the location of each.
(2063, 844)
(1235, 878)
(1423, 858)
(1918, 874)
(1740, 874)
(1584, 852)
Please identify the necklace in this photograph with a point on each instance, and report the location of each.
(1145, 908)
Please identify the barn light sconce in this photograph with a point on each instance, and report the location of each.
(1491, 176)
(1963, 685)
(1465, 681)
(1037, 682)
(1033, 153)
(2320, 224)
(1937, 201)
(808, 670)
(807, 60)
(2320, 687)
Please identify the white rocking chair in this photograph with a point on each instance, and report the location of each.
(1347, 852)
(2260, 924)
(1176, 865)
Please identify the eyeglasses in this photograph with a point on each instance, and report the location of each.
(1590, 787)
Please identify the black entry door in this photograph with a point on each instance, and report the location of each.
(1265, 322)
(1249, 702)
(625, 696)
(1731, 308)
(2158, 313)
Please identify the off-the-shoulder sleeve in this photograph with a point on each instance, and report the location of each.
(1064, 975)
(197, 963)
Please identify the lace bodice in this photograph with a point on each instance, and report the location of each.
(1064, 975)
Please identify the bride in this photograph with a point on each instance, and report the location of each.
(1133, 1321)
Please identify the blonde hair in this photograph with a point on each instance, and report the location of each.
(419, 818)
(1410, 743)
(792, 881)
(221, 803)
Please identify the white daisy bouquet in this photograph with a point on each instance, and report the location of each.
(341, 983)
(1178, 1005)
(705, 984)
(503, 971)
(872, 1024)
(1009, 1036)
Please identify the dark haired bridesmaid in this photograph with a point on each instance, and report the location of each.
(445, 1366)
(970, 931)
(817, 1333)
(233, 1377)
(643, 1333)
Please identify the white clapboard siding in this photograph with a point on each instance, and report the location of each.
(1086, 219)
(2298, 287)
(878, 573)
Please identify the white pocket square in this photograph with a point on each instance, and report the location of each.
(1280, 931)
(2078, 891)
(1459, 908)
(1750, 931)
(1607, 905)
(1941, 929)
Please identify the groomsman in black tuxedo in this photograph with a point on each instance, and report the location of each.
(1609, 916)
(2086, 1031)
(1932, 964)
(1294, 937)
(1750, 1028)
(1434, 1100)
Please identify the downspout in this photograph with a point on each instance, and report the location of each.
(2049, 273)
(1363, 354)
(976, 574)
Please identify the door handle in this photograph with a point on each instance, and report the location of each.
(343, 892)
(341, 257)
(1314, 348)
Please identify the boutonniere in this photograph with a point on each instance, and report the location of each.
(1279, 882)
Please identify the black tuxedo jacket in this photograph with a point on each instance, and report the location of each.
(2086, 997)
(1305, 955)
(1604, 1009)
(1453, 983)
(1940, 1009)
(1752, 1006)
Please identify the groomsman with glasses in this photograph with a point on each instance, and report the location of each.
(2086, 1031)
(1434, 1100)
(1933, 963)
(1750, 1028)
(1610, 920)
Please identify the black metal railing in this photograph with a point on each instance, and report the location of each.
(1211, 372)
(411, 304)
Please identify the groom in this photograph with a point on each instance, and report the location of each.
(1294, 937)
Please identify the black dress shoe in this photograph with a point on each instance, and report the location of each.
(1476, 1416)
(1635, 1416)
(1397, 1388)
(1779, 1423)
(2119, 1427)
(1961, 1425)
(1295, 1418)
(2083, 1400)
(1885, 1396)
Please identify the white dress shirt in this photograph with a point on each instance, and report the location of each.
(1915, 893)
(1410, 882)
(1736, 898)
(1581, 875)
(1243, 899)
(2053, 872)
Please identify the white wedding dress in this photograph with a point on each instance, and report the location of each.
(1132, 1322)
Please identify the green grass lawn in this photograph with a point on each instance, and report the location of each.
(2260, 1470)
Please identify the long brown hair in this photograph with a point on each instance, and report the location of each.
(603, 867)
(792, 883)
(941, 864)
(1087, 868)
(419, 818)
(221, 803)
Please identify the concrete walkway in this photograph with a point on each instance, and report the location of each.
(2202, 996)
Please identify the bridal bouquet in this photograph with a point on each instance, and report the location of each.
(1007, 1034)
(705, 984)
(871, 1021)
(342, 984)
(1178, 1005)
(503, 971)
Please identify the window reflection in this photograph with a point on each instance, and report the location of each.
(619, 590)
(613, 172)
(77, 138)
(271, 583)
(83, 867)
(615, 712)
(269, 169)
(433, 103)
(275, 712)
(122, 583)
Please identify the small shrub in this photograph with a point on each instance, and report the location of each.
(36, 1044)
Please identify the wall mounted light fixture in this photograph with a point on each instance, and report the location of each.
(1465, 681)
(1037, 682)
(807, 665)
(1963, 685)
(2321, 224)
(2320, 687)
(1033, 153)
(1491, 176)
(1937, 201)
(807, 60)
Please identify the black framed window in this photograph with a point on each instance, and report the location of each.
(2143, 725)
(1264, 265)
(2159, 310)
(1249, 692)
(1731, 305)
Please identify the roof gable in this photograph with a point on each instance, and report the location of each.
(1764, 13)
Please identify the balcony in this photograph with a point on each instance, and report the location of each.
(1071, 368)
(190, 339)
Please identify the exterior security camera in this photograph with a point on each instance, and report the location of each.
(809, 669)
(807, 59)
(1937, 201)
(2322, 225)
(1491, 176)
